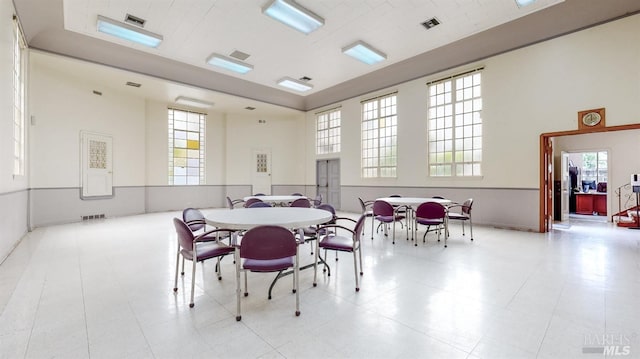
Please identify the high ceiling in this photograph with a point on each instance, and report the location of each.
(193, 29)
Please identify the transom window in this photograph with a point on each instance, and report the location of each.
(186, 147)
(328, 132)
(19, 47)
(455, 126)
(379, 137)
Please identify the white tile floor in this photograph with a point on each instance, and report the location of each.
(104, 290)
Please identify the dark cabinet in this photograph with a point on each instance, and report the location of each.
(591, 203)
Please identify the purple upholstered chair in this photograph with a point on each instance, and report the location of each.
(431, 214)
(194, 249)
(301, 202)
(251, 201)
(367, 213)
(259, 204)
(386, 213)
(194, 219)
(464, 214)
(267, 249)
(340, 238)
(231, 203)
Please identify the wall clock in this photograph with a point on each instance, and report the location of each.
(591, 118)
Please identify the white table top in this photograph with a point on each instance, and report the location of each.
(274, 199)
(413, 201)
(247, 218)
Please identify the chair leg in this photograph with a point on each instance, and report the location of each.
(182, 273)
(194, 264)
(393, 240)
(355, 269)
(175, 284)
(246, 286)
(296, 272)
(219, 268)
(471, 228)
(360, 255)
(373, 219)
(238, 290)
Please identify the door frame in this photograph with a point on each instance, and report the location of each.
(545, 203)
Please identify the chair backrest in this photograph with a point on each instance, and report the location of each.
(231, 203)
(466, 206)
(438, 197)
(328, 208)
(259, 204)
(268, 242)
(185, 236)
(296, 194)
(358, 228)
(362, 205)
(259, 194)
(193, 218)
(431, 210)
(251, 201)
(318, 200)
(395, 195)
(301, 202)
(382, 208)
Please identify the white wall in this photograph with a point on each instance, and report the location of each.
(13, 189)
(526, 92)
(64, 106)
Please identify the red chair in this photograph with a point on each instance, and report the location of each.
(335, 240)
(267, 249)
(198, 249)
(386, 213)
(431, 214)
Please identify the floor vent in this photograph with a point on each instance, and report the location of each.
(93, 216)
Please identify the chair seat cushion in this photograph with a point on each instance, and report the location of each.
(458, 216)
(430, 222)
(337, 243)
(208, 250)
(388, 219)
(268, 265)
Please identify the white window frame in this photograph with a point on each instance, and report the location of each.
(193, 175)
(19, 73)
(454, 126)
(379, 144)
(328, 130)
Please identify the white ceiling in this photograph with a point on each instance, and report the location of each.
(193, 29)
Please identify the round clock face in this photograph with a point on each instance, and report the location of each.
(591, 119)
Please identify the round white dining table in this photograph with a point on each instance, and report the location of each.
(413, 201)
(247, 218)
(275, 198)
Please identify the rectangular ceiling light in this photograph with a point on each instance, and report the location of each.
(523, 3)
(128, 32)
(364, 52)
(193, 102)
(294, 15)
(229, 63)
(294, 84)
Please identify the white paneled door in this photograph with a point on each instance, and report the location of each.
(261, 171)
(328, 181)
(96, 165)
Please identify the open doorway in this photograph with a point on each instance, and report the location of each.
(620, 141)
(583, 181)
